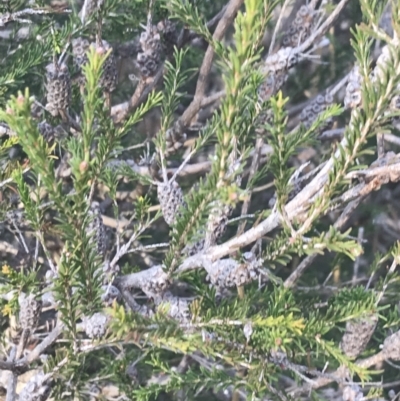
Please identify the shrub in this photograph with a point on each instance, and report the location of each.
(199, 200)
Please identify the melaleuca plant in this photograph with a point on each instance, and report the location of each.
(199, 200)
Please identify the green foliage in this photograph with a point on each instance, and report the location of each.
(243, 338)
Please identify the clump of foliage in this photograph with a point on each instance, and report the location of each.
(193, 199)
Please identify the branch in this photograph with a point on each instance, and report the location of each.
(40, 348)
(229, 14)
(13, 379)
(340, 372)
(294, 209)
(120, 111)
(375, 177)
(306, 262)
(322, 29)
(11, 17)
(253, 169)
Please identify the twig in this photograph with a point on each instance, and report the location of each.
(294, 208)
(123, 250)
(10, 17)
(229, 14)
(322, 29)
(297, 206)
(386, 283)
(356, 265)
(188, 169)
(277, 26)
(130, 301)
(83, 11)
(8, 180)
(7, 365)
(189, 36)
(323, 381)
(13, 380)
(300, 269)
(183, 164)
(40, 348)
(253, 170)
(21, 238)
(147, 247)
(212, 98)
(392, 139)
(331, 134)
(120, 111)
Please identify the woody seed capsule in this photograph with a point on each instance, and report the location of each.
(96, 229)
(58, 88)
(301, 27)
(169, 35)
(275, 69)
(149, 60)
(29, 312)
(316, 107)
(357, 335)
(37, 388)
(109, 76)
(170, 196)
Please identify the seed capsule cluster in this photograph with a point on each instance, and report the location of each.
(353, 392)
(109, 76)
(357, 335)
(194, 248)
(395, 107)
(174, 140)
(353, 90)
(80, 47)
(275, 69)
(156, 285)
(391, 347)
(301, 27)
(29, 311)
(178, 308)
(316, 107)
(47, 131)
(96, 229)
(170, 196)
(96, 325)
(110, 294)
(150, 58)
(378, 74)
(352, 97)
(37, 388)
(50, 134)
(217, 223)
(58, 88)
(227, 273)
(169, 35)
(89, 7)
